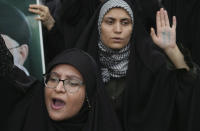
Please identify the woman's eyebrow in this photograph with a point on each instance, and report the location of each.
(125, 18)
(68, 76)
(56, 73)
(109, 17)
(112, 18)
(73, 77)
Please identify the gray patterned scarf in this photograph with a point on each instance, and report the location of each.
(114, 63)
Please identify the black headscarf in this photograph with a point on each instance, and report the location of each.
(156, 98)
(29, 112)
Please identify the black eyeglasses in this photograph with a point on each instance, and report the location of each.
(51, 80)
(14, 47)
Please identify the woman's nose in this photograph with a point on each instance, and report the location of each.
(117, 28)
(60, 87)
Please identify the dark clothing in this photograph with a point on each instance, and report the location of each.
(24, 106)
(49, 43)
(73, 17)
(147, 10)
(188, 27)
(155, 98)
(115, 89)
(54, 6)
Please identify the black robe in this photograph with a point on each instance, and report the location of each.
(71, 19)
(188, 27)
(54, 6)
(23, 103)
(156, 98)
(147, 10)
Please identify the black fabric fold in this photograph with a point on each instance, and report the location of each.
(155, 98)
(72, 18)
(188, 27)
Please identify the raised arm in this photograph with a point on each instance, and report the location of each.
(165, 38)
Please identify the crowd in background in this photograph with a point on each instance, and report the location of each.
(136, 68)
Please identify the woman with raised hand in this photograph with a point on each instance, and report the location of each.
(71, 98)
(151, 84)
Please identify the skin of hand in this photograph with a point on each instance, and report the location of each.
(44, 15)
(166, 38)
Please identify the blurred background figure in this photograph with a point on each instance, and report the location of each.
(19, 52)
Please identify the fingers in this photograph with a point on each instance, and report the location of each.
(174, 22)
(162, 20)
(153, 35)
(35, 11)
(38, 7)
(158, 21)
(41, 10)
(162, 17)
(166, 18)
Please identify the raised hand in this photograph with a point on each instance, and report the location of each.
(166, 34)
(44, 15)
(166, 39)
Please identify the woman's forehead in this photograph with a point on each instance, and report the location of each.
(117, 12)
(66, 70)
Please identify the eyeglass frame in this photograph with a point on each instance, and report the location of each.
(81, 83)
(14, 47)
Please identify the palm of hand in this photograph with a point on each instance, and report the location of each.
(166, 38)
(166, 35)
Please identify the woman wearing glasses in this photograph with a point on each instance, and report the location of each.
(72, 99)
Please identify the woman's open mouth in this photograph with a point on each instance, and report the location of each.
(57, 104)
